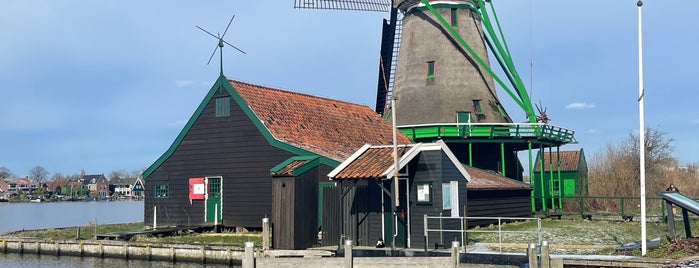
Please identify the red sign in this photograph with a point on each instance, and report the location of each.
(197, 189)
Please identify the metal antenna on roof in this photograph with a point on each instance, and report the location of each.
(219, 46)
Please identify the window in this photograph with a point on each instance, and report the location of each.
(450, 197)
(424, 193)
(556, 187)
(446, 196)
(454, 17)
(430, 69)
(477, 107)
(162, 191)
(223, 107)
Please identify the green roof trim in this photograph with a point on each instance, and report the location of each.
(313, 161)
(222, 81)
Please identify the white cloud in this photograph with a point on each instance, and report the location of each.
(580, 105)
(592, 131)
(183, 83)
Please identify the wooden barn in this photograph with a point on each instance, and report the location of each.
(565, 174)
(221, 167)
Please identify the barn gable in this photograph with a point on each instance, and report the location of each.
(239, 138)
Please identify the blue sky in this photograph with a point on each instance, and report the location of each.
(108, 85)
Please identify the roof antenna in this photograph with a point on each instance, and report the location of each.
(220, 43)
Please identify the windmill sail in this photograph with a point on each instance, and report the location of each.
(359, 5)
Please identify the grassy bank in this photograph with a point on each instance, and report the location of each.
(566, 236)
(88, 232)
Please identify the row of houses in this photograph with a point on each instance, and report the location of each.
(96, 186)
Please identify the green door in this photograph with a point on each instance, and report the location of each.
(213, 200)
(463, 117)
(402, 216)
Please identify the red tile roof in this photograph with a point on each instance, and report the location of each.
(569, 161)
(371, 164)
(486, 180)
(331, 128)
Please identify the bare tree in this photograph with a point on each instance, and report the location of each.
(121, 173)
(5, 172)
(615, 171)
(38, 174)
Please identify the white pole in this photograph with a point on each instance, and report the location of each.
(395, 172)
(642, 132)
(155, 217)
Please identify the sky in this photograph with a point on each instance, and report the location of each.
(107, 85)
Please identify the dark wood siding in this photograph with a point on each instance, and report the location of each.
(498, 203)
(294, 210)
(434, 167)
(362, 207)
(230, 147)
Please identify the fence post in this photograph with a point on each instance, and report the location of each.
(249, 257)
(582, 207)
(455, 246)
(545, 257)
(623, 211)
(265, 234)
(348, 254)
(531, 253)
(426, 237)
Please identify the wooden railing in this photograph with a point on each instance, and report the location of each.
(488, 130)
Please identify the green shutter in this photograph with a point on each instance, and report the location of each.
(223, 107)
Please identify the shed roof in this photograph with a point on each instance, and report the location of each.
(376, 162)
(327, 127)
(569, 161)
(486, 180)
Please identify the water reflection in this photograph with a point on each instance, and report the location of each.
(30, 260)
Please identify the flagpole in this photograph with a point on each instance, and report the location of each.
(642, 132)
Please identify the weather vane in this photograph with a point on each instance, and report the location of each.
(219, 46)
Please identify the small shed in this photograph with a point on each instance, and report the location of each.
(431, 182)
(565, 174)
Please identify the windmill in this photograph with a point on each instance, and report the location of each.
(442, 72)
(219, 46)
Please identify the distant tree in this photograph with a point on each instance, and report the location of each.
(38, 174)
(121, 173)
(136, 172)
(57, 176)
(5, 172)
(615, 171)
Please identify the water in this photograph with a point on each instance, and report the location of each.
(27, 216)
(30, 260)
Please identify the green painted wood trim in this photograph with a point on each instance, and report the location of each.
(502, 157)
(313, 161)
(531, 175)
(440, 5)
(541, 178)
(223, 81)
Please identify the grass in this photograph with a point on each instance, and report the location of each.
(576, 236)
(567, 236)
(88, 232)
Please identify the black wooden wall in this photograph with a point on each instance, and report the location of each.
(295, 210)
(230, 147)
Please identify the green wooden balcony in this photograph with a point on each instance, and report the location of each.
(489, 130)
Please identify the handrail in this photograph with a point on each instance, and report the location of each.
(464, 229)
(489, 130)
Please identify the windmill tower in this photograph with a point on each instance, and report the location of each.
(436, 80)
